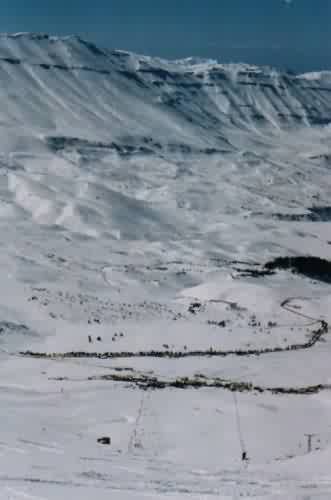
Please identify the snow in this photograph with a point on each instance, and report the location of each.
(139, 199)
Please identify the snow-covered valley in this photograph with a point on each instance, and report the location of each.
(145, 208)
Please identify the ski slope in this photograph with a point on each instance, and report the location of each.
(140, 201)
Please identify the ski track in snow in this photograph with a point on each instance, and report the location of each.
(139, 200)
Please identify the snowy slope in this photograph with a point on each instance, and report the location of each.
(139, 201)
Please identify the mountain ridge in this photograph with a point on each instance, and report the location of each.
(53, 84)
(188, 61)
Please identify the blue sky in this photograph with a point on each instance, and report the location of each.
(293, 34)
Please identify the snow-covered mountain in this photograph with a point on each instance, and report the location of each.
(165, 240)
(69, 102)
(52, 84)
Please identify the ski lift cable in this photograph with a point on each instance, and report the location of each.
(239, 427)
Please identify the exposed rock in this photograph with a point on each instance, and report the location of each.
(105, 440)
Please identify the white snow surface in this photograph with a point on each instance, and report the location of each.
(134, 195)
